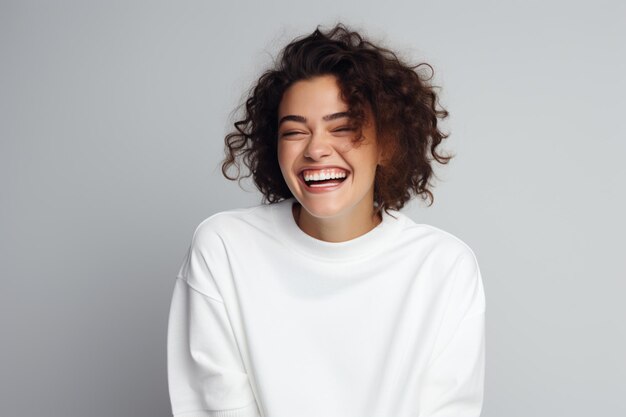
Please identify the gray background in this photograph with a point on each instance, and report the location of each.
(112, 123)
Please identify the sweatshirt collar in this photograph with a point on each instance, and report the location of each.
(375, 240)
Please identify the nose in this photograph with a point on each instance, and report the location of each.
(318, 146)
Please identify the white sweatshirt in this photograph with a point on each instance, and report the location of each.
(266, 320)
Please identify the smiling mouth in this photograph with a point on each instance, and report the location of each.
(323, 183)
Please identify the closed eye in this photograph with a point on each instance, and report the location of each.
(341, 129)
(292, 133)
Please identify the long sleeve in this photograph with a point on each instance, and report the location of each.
(206, 376)
(454, 381)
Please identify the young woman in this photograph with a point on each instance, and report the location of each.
(328, 301)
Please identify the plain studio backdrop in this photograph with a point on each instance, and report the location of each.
(113, 116)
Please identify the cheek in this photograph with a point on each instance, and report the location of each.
(286, 157)
(345, 146)
(362, 156)
(280, 154)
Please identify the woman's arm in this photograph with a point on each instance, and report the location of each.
(206, 375)
(454, 381)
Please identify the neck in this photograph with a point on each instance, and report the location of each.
(337, 229)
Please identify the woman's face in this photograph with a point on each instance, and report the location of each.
(314, 142)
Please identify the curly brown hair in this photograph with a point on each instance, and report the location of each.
(404, 105)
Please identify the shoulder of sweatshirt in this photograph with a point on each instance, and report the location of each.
(203, 268)
(225, 223)
(455, 260)
(446, 246)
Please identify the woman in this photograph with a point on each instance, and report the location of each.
(328, 301)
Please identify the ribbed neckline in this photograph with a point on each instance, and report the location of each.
(365, 245)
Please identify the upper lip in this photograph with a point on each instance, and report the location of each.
(301, 170)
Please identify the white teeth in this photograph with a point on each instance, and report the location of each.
(324, 175)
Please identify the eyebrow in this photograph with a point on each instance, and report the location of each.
(302, 119)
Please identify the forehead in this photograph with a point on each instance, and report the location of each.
(314, 96)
